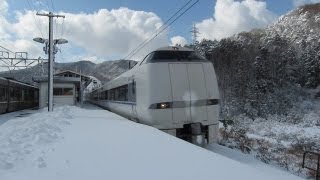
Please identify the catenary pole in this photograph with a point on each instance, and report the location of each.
(50, 58)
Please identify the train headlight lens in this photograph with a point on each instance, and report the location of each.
(164, 105)
(212, 102)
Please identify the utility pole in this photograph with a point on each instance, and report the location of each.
(194, 31)
(50, 57)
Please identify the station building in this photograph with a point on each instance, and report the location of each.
(68, 88)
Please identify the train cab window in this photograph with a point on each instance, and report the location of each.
(162, 55)
(172, 56)
(147, 58)
(190, 55)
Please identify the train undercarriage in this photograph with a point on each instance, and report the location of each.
(196, 133)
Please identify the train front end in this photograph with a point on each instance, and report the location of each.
(183, 93)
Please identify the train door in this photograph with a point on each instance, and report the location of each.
(133, 98)
(198, 92)
(180, 92)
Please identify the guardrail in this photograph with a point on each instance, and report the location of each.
(317, 170)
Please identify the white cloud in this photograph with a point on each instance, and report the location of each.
(231, 17)
(297, 3)
(113, 32)
(102, 34)
(3, 7)
(178, 40)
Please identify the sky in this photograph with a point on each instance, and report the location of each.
(100, 30)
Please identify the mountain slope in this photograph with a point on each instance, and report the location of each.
(269, 81)
(103, 71)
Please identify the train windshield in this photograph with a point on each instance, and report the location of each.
(169, 56)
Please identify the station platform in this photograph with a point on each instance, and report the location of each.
(92, 143)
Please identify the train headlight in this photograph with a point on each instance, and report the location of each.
(162, 105)
(212, 102)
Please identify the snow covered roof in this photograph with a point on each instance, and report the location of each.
(56, 79)
(76, 74)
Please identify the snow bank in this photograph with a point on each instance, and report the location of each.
(75, 143)
(278, 139)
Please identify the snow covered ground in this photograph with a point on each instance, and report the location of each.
(76, 143)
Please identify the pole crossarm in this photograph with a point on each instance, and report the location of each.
(50, 15)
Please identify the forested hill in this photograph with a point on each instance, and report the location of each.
(272, 70)
(103, 71)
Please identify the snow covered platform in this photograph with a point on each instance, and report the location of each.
(91, 143)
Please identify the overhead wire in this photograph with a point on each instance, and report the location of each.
(52, 6)
(164, 24)
(6, 49)
(62, 28)
(164, 27)
(36, 23)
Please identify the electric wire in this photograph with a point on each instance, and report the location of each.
(142, 45)
(163, 25)
(6, 49)
(62, 28)
(36, 23)
(52, 6)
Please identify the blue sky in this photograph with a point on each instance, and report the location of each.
(99, 30)
(163, 8)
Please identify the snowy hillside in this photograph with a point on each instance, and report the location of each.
(269, 81)
(75, 143)
(300, 26)
(103, 71)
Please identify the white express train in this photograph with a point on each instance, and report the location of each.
(172, 89)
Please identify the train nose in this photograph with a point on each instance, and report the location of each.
(189, 93)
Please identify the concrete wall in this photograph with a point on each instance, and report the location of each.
(43, 94)
(57, 100)
(65, 100)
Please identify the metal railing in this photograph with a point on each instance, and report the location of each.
(317, 170)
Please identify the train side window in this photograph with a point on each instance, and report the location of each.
(132, 93)
(3, 93)
(11, 93)
(101, 95)
(112, 95)
(106, 95)
(14, 94)
(17, 94)
(22, 95)
(123, 93)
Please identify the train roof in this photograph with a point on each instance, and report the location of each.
(173, 48)
(17, 82)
